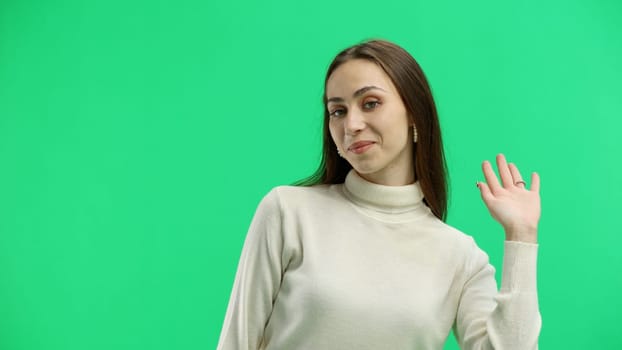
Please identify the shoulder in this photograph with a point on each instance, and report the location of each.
(456, 241)
(449, 232)
(289, 207)
(291, 197)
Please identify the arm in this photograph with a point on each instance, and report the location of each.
(509, 319)
(257, 279)
(504, 320)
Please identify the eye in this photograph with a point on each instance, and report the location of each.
(337, 112)
(371, 104)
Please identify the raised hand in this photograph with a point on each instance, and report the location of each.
(514, 206)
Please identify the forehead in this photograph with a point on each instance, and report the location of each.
(354, 74)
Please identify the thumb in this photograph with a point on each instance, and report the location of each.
(484, 191)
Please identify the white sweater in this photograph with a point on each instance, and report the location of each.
(365, 266)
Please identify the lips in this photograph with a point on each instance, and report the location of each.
(360, 146)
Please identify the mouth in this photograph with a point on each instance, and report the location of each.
(360, 147)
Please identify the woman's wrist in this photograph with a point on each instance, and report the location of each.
(522, 234)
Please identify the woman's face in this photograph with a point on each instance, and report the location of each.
(369, 123)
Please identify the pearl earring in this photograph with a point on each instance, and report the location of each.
(414, 134)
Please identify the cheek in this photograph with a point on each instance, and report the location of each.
(398, 131)
(334, 132)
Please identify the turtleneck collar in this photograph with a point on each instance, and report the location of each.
(392, 203)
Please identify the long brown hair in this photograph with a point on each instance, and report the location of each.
(412, 85)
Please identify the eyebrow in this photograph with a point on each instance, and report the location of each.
(356, 94)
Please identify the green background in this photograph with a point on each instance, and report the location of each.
(137, 138)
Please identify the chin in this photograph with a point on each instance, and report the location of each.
(366, 169)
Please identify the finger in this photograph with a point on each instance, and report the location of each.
(491, 178)
(484, 191)
(504, 171)
(516, 176)
(535, 182)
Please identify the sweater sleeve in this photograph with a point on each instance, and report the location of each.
(257, 280)
(505, 320)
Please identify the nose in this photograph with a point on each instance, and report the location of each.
(354, 122)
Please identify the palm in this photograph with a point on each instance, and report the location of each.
(509, 202)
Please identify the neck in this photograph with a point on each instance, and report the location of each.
(387, 203)
(396, 178)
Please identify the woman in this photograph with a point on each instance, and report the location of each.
(360, 258)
